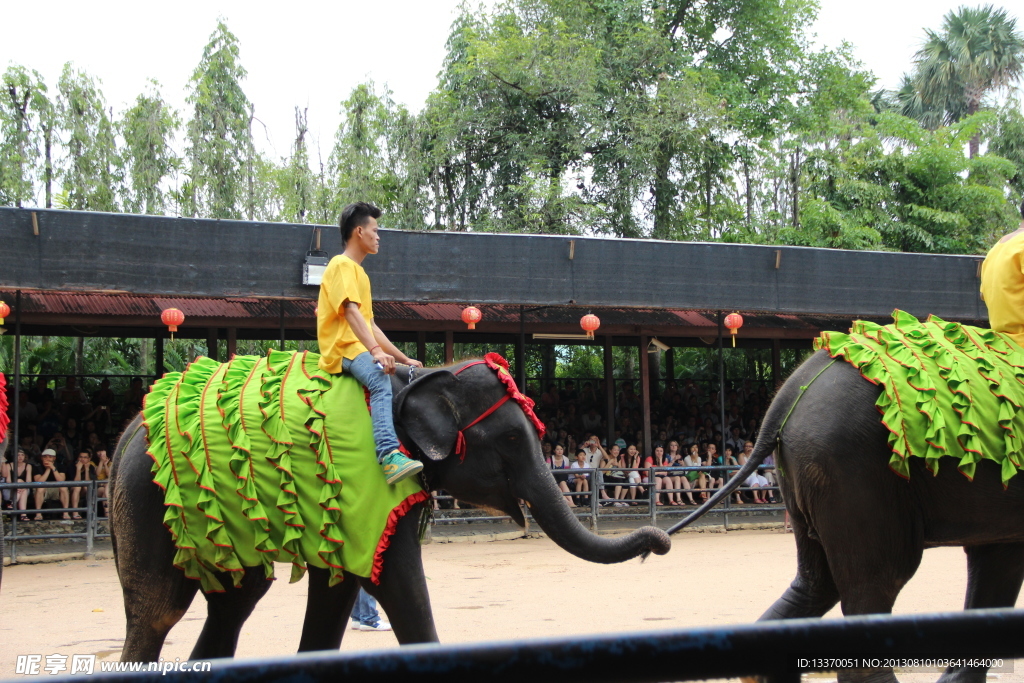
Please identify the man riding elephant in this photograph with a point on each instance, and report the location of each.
(1002, 283)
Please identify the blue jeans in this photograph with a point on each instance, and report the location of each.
(365, 369)
(365, 609)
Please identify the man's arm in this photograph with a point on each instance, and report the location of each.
(386, 344)
(365, 335)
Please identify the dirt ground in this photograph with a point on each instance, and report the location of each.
(480, 591)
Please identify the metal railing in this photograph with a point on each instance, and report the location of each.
(591, 511)
(779, 650)
(89, 508)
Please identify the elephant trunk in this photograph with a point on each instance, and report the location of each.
(557, 520)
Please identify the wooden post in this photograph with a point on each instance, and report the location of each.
(280, 309)
(609, 390)
(212, 343)
(776, 364)
(521, 352)
(449, 347)
(645, 392)
(670, 364)
(232, 342)
(160, 369)
(421, 346)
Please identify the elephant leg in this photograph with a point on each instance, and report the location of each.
(813, 592)
(156, 597)
(227, 611)
(994, 576)
(874, 546)
(327, 610)
(403, 589)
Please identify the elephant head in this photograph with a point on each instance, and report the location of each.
(483, 448)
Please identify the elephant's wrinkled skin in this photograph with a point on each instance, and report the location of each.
(860, 529)
(503, 464)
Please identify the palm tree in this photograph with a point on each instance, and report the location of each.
(979, 50)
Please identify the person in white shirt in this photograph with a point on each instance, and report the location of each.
(581, 481)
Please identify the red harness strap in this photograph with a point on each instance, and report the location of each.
(499, 365)
(460, 443)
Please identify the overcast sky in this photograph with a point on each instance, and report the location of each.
(313, 54)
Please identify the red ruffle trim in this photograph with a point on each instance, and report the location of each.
(389, 529)
(4, 419)
(500, 366)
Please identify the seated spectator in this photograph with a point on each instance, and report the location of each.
(674, 458)
(581, 481)
(20, 471)
(559, 468)
(65, 455)
(592, 447)
(49, 420)
(694, 479)
(103, 397)
(133, 398)
(49, 472)
(716, 476)
(549, 399)
(662, 479)
(28, 414)
(85, 470)
(568, 394)
(71, 398)
(614, 477)
(41, 392)
(103, 466)
(634, 475)
(545, 451)
(588, 397)
(591, 421)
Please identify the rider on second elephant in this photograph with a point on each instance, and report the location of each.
(1002, 283)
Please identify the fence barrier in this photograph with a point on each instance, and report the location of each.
(90, 516)
(591, 512)
(779, 650)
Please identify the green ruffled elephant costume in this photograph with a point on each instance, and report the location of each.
(265, 460)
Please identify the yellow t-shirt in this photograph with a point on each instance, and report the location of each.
(344, 279)
(1002, 287)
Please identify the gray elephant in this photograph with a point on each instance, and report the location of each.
(860, 530)
(437, 412)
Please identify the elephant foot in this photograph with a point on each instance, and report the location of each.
(964, 675)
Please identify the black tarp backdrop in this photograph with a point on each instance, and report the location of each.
(87, 251)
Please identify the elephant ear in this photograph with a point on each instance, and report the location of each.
(427, 414)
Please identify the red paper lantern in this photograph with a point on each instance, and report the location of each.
(5, 311)
(589, 323)
(471, 315)
(172, 317)
(734, 321)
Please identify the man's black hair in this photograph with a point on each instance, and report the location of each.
(356, 215)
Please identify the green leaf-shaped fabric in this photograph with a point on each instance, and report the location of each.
(264, 460)
(949, 390)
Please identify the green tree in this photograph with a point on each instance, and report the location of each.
(24, 112)
(148, 129)
(977, 51)
(219, 150)
(90, 172)
(1007, 141)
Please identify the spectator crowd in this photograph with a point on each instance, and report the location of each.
(64, 435)
(67, 435)
(687, 432)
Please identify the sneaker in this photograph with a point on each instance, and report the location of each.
(354, 625)
(397, 467)
(379, 626)
(621, 505)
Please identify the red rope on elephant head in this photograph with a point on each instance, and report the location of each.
(4, 420)
(500, 366)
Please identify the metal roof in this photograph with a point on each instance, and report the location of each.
(128, 310)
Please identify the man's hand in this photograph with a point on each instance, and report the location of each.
(386, 360)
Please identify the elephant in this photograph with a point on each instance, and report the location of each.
(437, 411)
(861, 530)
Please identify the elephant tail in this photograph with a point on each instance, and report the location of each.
(771, 429)
(762, 449)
